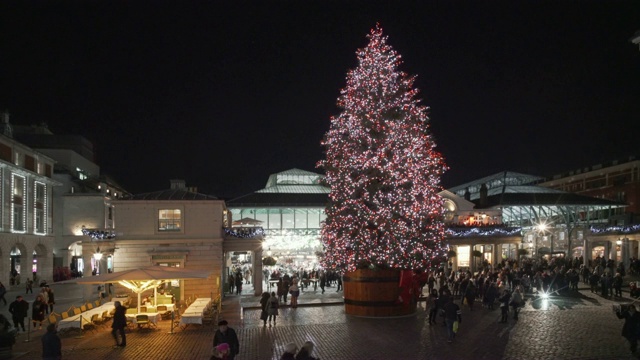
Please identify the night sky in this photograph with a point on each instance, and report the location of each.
(222, 94)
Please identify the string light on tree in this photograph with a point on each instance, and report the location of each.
(383, 170)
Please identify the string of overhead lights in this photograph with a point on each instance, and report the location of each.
(98, 234)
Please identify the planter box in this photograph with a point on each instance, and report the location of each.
(374, 293)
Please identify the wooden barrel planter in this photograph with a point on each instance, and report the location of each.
(374, 293)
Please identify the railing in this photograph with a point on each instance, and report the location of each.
(498, 230)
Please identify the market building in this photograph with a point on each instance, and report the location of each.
(176, 227)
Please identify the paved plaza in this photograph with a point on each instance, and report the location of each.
(582, 326)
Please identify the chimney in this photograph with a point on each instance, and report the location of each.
(177, 184)
(483, 195)
(467, 194)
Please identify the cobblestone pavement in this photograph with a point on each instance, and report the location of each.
(582, 326)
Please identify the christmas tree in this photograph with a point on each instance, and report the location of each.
(384, 172)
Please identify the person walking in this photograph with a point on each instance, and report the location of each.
(452, 313)
(339, 277)
(630, 328)
(227, 335)
(51, 344)
(264, 300)
(3, 292)
(37, 312)
(18, 310)
(118, 325)
(272, 308)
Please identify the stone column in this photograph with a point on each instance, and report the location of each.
(26, 267)
(625, 253)
(586, 252)
(612, 252)
(257, 272)
(497, 255)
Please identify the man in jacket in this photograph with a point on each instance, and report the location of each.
(51, 344)
(452, 313)
(119, 323)
(631, 327)
(225, 334)
(18, 310)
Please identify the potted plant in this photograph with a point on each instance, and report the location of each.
(523, 252)
(269, 261)
(451, 254)
(477, 253)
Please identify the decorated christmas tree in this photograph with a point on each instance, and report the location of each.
(384, 172)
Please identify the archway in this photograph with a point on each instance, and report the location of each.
(76, 263)
(41, 263)
(597, 251)
(18, 268)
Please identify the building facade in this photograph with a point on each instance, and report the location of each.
(174, 227)
(82, 202)
(26, 226)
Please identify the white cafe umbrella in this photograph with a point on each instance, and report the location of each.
(145, 278)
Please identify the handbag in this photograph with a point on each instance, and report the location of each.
(455, 326)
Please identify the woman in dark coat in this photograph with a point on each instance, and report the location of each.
(630, 329)
(37, 312)
(263, 305)
(119, 323)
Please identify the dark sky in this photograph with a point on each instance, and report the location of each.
(222, 94)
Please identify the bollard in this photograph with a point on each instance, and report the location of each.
(171, 323)
(28, 331)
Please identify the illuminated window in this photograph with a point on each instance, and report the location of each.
(40, 206)
(170, 220)
(18, 186)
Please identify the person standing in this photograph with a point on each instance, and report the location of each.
(51, 344)
(272, 308)
(504, 305)
(432, 305)
(3, 292)
(516, 302)
(118, 325)
(18, 310)
(238, 283)
(295, 292)
(630, 328)
(264, 300)
(339, 277)
(225, 334)
(452, 313)
(45, 298)
(29, 285)
(51, 299)
(37, 312)
(232, 283)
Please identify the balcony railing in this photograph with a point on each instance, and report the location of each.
(497, 230)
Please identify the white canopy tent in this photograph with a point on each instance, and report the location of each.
(145, 278)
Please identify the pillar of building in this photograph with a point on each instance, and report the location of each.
(625, 253)
(26, 267)
(613, 252)
(497, 255)
(586, 252)
(257, 272)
